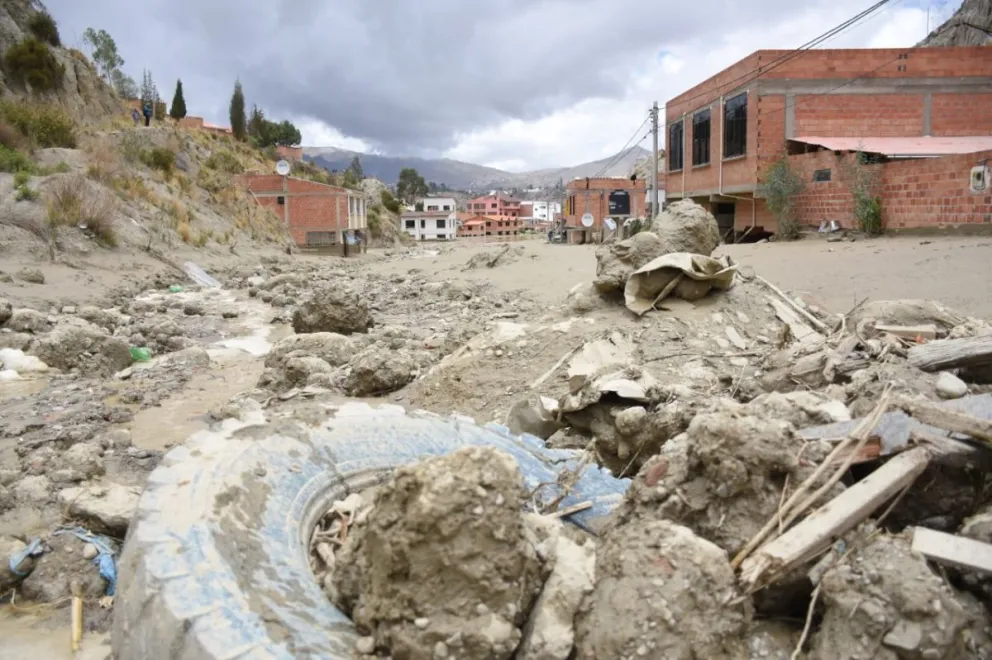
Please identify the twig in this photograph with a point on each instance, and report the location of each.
(820, 325)
(703, 355)
(781, 501)
(569, 510)
(809, 622)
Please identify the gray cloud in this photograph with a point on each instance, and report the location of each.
(403, 75)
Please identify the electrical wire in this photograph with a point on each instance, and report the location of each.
(617, 157)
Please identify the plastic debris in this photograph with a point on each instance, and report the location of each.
(140, 354)
(105, 558)
(33, 549)
(175, 288)
(200, 276)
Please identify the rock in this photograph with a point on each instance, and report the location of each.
(6, 501)
(550, 632)
(535, 415)
(661, 588)
(108, 319)
(106, 509)
(5, 310)
(193, 308)
(9, 546)
(332, 309)
(28, 320)
(18, 341)
(90, 551)
(332, 348)
(443, 556)
(284, 279)
(616, 261)
(902, 608)
(56, 573)
(31, 276)
(771, 640)
(86, 347)
(376, 372)
(194, 357)
(585, 297)
(85, 458)
(950, 386)
(33, 489)
(685, 226)
(365, 645)
(116, 439)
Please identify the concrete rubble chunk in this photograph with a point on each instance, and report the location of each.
(28, 320)
(107, 508)
(332, 309)
(5, 310)
(616, 261)
(535, 415)
(377, 372)
(84, 346)
(685, 226)
(395, 574)
(662, 592)
(31, 276)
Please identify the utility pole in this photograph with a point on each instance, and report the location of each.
(654, 161)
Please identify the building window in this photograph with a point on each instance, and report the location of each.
(701, 138)
(440, 224)
(735, 126)
(820, 176)
(432, 207)
(675, 133)
(423, 224)
(320, 238)
(411, 224)
(280, 200)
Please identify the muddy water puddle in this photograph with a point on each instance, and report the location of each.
(47, 637)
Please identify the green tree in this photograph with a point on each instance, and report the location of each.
(124, 85)
(410, 185)
(103, 51)
(238, 119)
(43, 26)
(287, 135)
(149, 92)
(178, 109)
(356, 168)
(258, 127)
(780, 185)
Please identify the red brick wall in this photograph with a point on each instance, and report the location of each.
(857, 115)
(926, 192)
(597, 202)
(290, 153)
(961, 114)
(324, 209)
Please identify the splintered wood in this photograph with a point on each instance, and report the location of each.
(952, 353)
(953, 550)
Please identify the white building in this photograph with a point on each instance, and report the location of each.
(439, 204)
(430, 225)
(539, 211)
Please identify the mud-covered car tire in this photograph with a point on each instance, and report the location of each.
(216, 562)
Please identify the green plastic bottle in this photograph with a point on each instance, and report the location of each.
(140, 354)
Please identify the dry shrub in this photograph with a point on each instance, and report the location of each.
(11, 138)
(105, 162)
(185, 232)
(73, 202)
(43, 124)
(32, 63)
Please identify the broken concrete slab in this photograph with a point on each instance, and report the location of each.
(107, 509)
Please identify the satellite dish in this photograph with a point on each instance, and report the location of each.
(282, 168)
(587, 220)
(610, 224)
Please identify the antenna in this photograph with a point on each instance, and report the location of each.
(282, 168)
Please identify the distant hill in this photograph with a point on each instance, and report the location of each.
(468, 176)
(971, 25)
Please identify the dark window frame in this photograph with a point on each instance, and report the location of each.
(701, 123)
(735, 126)
(440, 223)
(280, 200)
(821, 176)
(676, 156)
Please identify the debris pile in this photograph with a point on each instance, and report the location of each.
(502, 255)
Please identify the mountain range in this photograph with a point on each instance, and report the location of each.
(468, 176)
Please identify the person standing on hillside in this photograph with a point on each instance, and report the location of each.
(148, 113)
(136, 116)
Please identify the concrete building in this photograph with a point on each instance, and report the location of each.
(615, 197)
(723, 134)
(439, 204)
(493, 204)
(430, 225)
(471, 226)
(316, 215)
(538, 212)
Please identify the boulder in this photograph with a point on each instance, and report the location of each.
(332, 309)
(332, 348)
(950, 386)
(685, 226)
(616, 261)
(28, 320)
(108, 319)
(34, 489)
(5, 310)
(31, 276)
(107, 509)
(378, 372)
(82, 346)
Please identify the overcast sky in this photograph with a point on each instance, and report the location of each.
(514, 84)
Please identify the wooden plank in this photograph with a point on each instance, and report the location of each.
(956, 422)
(953, 550)
(802, 332)
(820, 529)
(952, 353)
(817, 323)
(926, 331)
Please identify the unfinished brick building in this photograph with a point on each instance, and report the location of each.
(722, 134)
(317, 215)
(602, 197)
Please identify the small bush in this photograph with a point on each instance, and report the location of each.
(11, 138)
(132, 145)
(21, 178)
(43, 124)
(185, 232)
(391, 203)
(14, 161)
(25, 193)
(73, 203)
(43, 26)
(213, 181)
(80, 57)
(223, 160)
(159, 158)
(31, 62)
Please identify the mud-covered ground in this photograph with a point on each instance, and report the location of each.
(418, 327)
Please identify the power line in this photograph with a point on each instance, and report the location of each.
(617, 157)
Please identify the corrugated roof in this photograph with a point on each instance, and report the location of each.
(904, 146)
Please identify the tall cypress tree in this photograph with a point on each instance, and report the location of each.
(238, 120)
(178, 109)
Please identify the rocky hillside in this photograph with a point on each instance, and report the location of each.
(971, 25)
(82, 93)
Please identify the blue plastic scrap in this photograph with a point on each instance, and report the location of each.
(104, 560)
(33, 549)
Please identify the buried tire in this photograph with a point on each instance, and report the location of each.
(216, 562)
